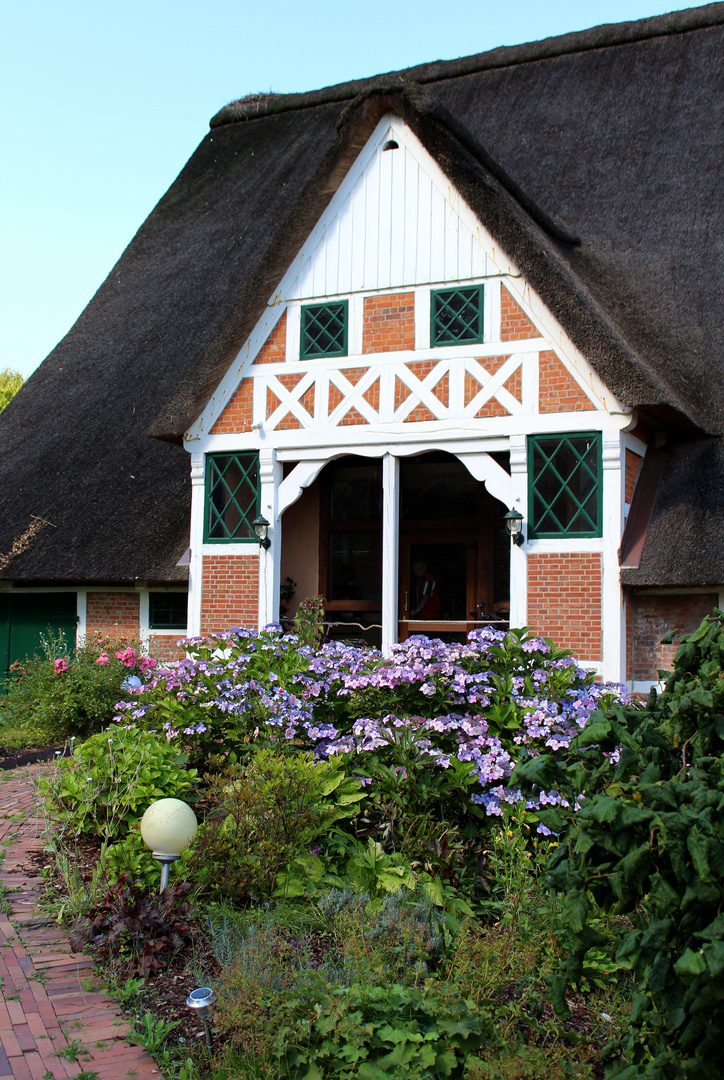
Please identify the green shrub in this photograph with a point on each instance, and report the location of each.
(106, 785)
(648, 842)
(266, 817)
(60, 695)
(365, 1031)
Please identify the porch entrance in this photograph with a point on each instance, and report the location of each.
(365, 555)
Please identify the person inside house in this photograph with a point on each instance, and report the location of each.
(425, 595)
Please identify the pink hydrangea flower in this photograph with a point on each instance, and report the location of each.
(146, 663)
(103, 659)
(61, 665)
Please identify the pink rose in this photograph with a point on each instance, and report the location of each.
(103, 660)
(127, 657)
(60, 665)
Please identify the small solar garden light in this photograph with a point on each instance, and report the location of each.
(200, 1000)
(514, 524)
(168, 827)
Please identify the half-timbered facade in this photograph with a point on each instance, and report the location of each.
(384, 317)
(443, 395)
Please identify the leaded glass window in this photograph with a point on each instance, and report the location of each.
(232, 497)
(324, 330)
(456, 316)
(565, 485)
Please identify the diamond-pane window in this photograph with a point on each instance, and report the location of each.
(565, 485)
(324, 330)
(456, 316)
(232, 497)
(167, 611)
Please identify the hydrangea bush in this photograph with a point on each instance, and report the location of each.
(471, 710)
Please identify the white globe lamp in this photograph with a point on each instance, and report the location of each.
(168, 827)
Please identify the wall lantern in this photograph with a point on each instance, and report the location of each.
(514, 524)
(261, 528)
(200, 1000)
(168, 827)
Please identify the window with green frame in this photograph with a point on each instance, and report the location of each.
(232, 498)
(456, 316)
(167, 610)
(324, 330)
(565, 485)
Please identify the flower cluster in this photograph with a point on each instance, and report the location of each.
(483, 702)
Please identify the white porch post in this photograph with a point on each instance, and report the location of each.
(270, 476)
(612, 610)
(519, 555)
(390, 548)
(196, 560)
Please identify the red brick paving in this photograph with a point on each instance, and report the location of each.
(45, 1000)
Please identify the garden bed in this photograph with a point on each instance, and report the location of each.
(404, 864)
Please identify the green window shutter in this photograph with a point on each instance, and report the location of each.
(456, 316)
(565, 486)
(167, 611)
(232, 498)
(324, 330)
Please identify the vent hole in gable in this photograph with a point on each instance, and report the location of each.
(390, 145)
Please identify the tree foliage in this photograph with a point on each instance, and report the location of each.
(10, 383)
(647, 842)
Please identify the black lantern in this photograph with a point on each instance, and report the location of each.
(261, 528)
(514, 524)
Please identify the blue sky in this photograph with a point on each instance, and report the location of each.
(102, 103)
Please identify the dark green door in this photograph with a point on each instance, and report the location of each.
(25, 616)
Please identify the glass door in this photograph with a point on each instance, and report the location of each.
(350, 555)
(454, 558)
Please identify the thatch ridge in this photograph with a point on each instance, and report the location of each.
(607, 35)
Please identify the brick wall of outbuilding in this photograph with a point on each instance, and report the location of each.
(115, 614)
(651, 615)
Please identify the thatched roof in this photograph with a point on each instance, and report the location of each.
(685, 537)
(593, 159)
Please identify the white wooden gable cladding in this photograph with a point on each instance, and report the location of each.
(402, 223)
(396, 223)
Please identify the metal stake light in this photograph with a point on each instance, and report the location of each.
(200, 1000)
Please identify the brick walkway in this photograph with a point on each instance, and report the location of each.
(51, 1002)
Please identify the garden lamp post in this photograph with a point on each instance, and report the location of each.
(168, 827)
(200, 1000)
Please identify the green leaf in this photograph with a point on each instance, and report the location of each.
(691, 964)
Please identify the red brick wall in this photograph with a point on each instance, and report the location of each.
(559, 391)
(564, 601)
(514, 323)
(651, 617)
(230, 592)
(631, 474)
(274, 349)
(113, 613)
(163, 646)
(388, 323)
(237, 415)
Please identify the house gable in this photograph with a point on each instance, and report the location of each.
(396, 231)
